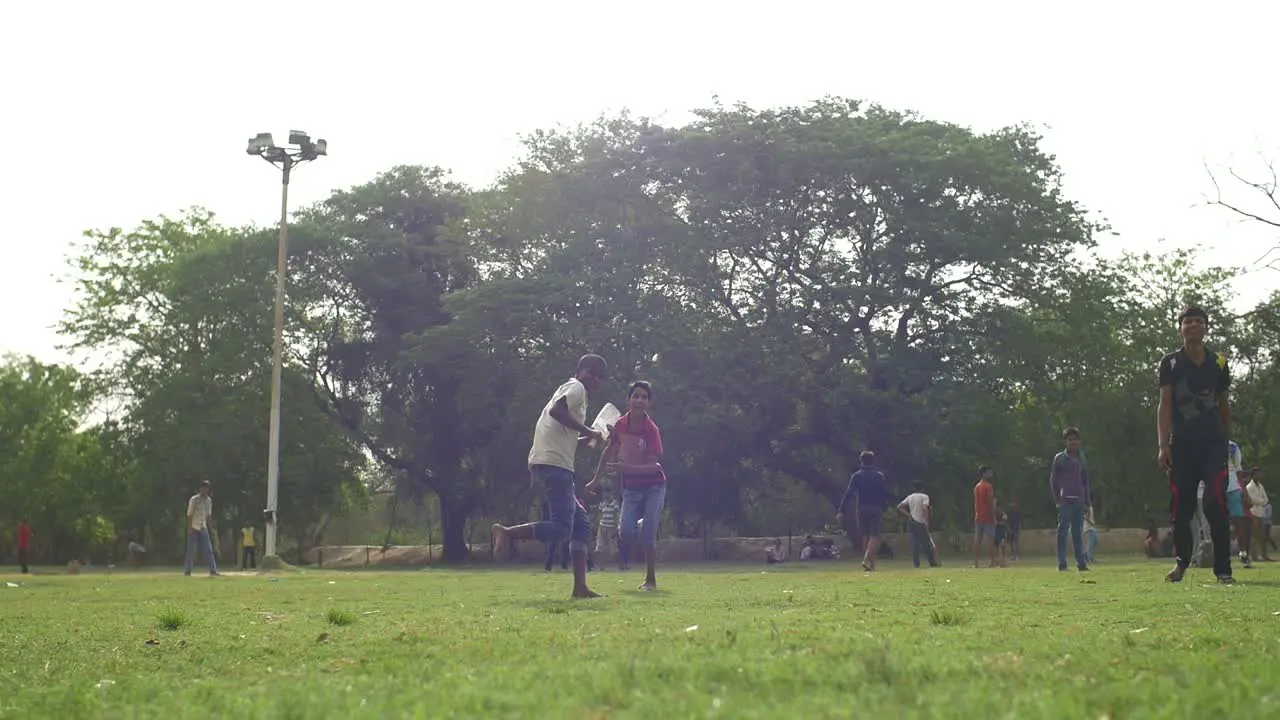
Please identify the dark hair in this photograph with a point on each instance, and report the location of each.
(1193, 311)
(867, 457)
(1071, 431)
(203, 483)
(982, 470)
(918, 485)
(640, 385)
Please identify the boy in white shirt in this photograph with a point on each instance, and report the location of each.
(559, 429)
(1261, 507)
(919, 517)
(200, 529)
(1237, 507)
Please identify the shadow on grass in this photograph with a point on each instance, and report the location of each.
(561, 607)
(1258, 583)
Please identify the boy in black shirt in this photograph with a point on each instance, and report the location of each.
(1192, 424)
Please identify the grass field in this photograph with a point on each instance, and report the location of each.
(811, 641)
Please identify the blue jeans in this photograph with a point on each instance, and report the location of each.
(1071, 517)
(568, 518)
(1090, 544)
(201, 538)
(645, 502)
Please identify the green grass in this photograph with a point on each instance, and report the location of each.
(803, 641)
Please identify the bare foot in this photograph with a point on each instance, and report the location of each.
(648, 587)
(585, 593)
(501, 540)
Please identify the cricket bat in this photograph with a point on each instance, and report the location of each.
(605, 419)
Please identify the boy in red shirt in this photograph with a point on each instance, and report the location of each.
(984, 516)
(24, 542)
(635, 452)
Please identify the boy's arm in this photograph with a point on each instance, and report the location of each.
(610, 452)
(560, 413)
(1054, 485)
(1088, 489)
(1164, 414)
(844, 499)
(1224, 402)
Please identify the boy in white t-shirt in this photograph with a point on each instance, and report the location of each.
(1237, 508)
(919, 517)
(551, 460)
(1260, 506)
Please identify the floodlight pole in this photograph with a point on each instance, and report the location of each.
(285, 159)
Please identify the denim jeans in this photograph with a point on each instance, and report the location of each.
(920, 541)
(200, 538)
(1071, 517)
(645, 502)
(568, 518)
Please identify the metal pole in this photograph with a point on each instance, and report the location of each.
(277, 360)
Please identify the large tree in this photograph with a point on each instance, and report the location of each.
(178, 312)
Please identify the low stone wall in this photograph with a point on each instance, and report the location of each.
(1117, 541)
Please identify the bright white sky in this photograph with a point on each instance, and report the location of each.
(117, 112)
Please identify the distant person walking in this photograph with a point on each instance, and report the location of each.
(919, 514)
(249, 556)
(1261, 506)
(1069, 482)
(199, 529)
(1192, 425)
(1015, 530)
(24, 544)
(551, 460)
(868, 490)
(984, 517)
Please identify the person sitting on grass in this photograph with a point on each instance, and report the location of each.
(773, 554)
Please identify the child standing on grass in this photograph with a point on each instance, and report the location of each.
(24, 544)
(984, 516)
(635, 453)
(607, 537)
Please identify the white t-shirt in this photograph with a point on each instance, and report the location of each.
(199, 509)
(553, 443)
(918, 506)
(1235, 464)
(1258, 499)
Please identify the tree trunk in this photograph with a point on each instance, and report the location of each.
(453, 521)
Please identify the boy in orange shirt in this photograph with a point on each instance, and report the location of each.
(984, 516)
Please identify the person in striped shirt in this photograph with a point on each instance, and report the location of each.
(607, 537)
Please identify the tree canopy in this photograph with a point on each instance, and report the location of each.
(799, 283)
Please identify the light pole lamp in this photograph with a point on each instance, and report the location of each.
(301, 148)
